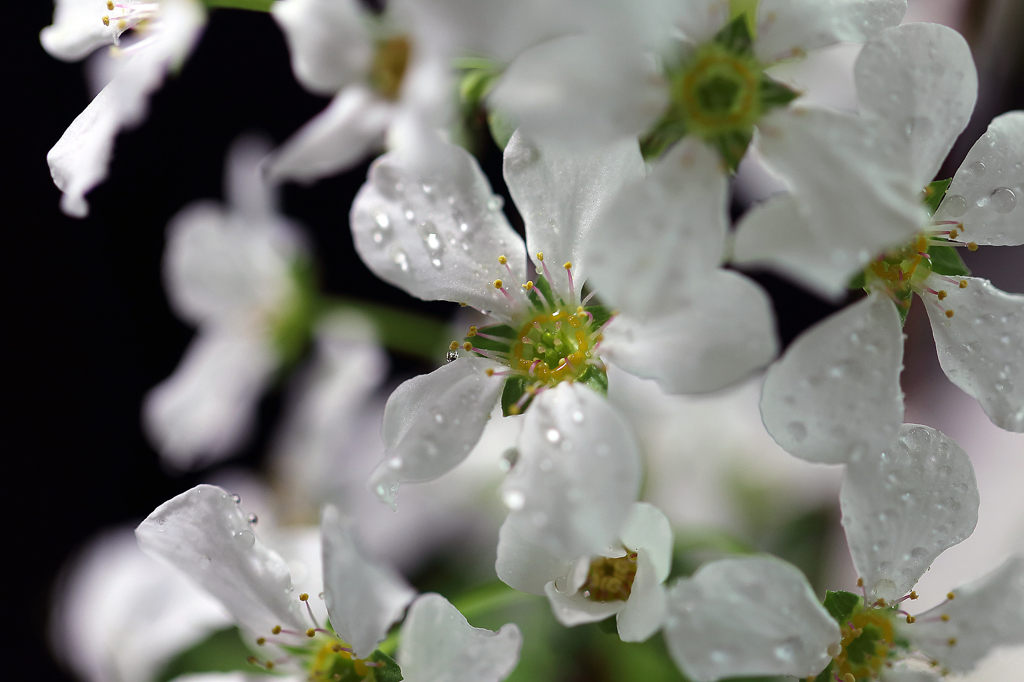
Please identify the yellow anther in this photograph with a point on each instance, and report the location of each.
(502, 260)
(933, 664)
(261, 641)
(880, 602)
(303, 597)
(860, 582)
(942, 294)
(950, 596)
(848, 677)
(497, 284)
(912, 595)
(311, 632)
(540, 255)
(953, 234)
(568, 265)
(336, 648)
(972, 246)
(528, 286)
(463, 305)
(472, 330)
(489, 371)
(513, 410)
(276, 629)
(911, 619)
(122, 24)
(110, 4)
(467, 346)
(944, 618)
(454, 345)
(106, 20)
(270, 665)
(949, 313)
(951, 641)
(963, 284)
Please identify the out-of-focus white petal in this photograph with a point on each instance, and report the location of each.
(522, 563)
(644, 612)
(80, 159)
(431, 422)
(559, 194)
(438, 644)
(578, 472)
(906, 675)
(575, 609)
(788, 28)
(747, 616)
(985, 614)
(337, 138)
(700, 20)
(204, 533)
(78, 29)
(903, 508)
(835, 395)
(648, 529)
(980, 347)
(987, 191)
(437, 232)
(919, 78)
(852, 191)
(329, 45)
(206, 409)
(660, 232)
(580, 91)
(711, 335)
(364, 599)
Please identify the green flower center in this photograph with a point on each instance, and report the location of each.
(868, 642)
(610, 579)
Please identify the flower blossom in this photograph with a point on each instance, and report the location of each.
(441, 235)
(168, 30)
(204, 533)
(235, 274)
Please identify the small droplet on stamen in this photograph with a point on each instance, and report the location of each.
(253, 519)
(834, 649)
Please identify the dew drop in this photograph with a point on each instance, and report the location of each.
(252, 519)
(236, 498)
(399, 258)
(513, 499)
(577, 417)
(410, 215)
(395, 463)
(495, 203)
(1002, 200)
(508, 459)
(451, 356)
(553, 435)
(955, 205)
(427, 189)
(978, 168)
(381, 218)
(797, 431)
(245, 539)
(436, 262)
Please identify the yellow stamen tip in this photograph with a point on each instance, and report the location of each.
(489, 371)
(913, 595)
(949, 313)
(502, 260)
(270, 665)
(106, 20)
(568, 265)
(303, 597)
(540, 255)
(110, 4)
(497, 284)
(972, 246)
(910, 619)
(950, 596)
(860, 582)
(467, 346)
(848, 677)
(944, 618)
(454, 345)
(942, 294)
(951, 641)
(963, 284)
(122, 24)
(953, 234)
(261, 641)
(528, 286)
(276, 629)
(311, 633)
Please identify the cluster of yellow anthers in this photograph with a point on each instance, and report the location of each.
(610, 578)
(129, 15)
(326, 659)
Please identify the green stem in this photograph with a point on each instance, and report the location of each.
(253, 5)
(399, 330)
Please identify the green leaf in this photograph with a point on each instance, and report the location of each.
(665, 133)
(841, 604)
(609, 625)
(223, 651)
(862, 649)
(732, 145)
(253, 5)
(945, 260)
(933, 194)
(503, 343)
(501, 128)
(545, 288)
(389, 671)
(775, 94)
(735, 36)
(601, 313)
(748, 9)
(859, 281)
(515, 387)
(826, 674)
(595, 379)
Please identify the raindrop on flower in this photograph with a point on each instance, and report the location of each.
(451, 356)
(978, 168)
(1002, 200)
(245, 538)
(252, 519)
(237, 499)
(513, 499)
(508, 460)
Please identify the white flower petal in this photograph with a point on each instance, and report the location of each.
(329, 44)
(78, 29)
(700, 20)
(575, 609)
(661, 231)
(980, 347)
(788, 28)
(336, 139)
(835, 394)
(711, 335)
(851, 185)
(559, 194)
(919, 78)
(645, 610)
(648, 529)
(438, 644)
(747, 616)
(431, 422)
(364, 599)
(580, 91)
(904, 508)
(204, 533)
(578, 472)
(988, 189)
(206, 409)
(906, 675)
(983, 615)
(436, 232)
(523, 563)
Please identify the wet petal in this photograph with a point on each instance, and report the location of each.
(904, 508)
(983, 615)
(578, 472)
(78, 29)
(436, 232)
(980, 348)
(328, 42)
(988, 188)
(788, 28)
(364, 599)
(437, 643)
(431, 422)
(645, 610)
(919, 78)
(748, 616)
(835, 395)
(661, 231)
(336, 139)
(559, 194)
(648, 529)
(204, 533)
(575, 609)
(709, 337)
(523, 563)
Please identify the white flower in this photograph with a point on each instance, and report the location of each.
(748, 616)
(232, 273)
(169, 29)
(204, 533)
(625, 581)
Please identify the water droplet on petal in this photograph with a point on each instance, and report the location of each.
(252, 519)
(381, 218)
(451, 356)
(508, 460)
(399, 258)
(237, 499)
(797, 431)
(553, 435)
(978, 168)
(245, 539)
(439, 418)
(1002, 200)
(513, 499)
(955, 205)
(577, 417)
(395, 463)
(495, 203)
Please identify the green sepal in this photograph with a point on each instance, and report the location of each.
(665, 133)
(933, 194)
(735, 36)
(601, 313)
(500, 330)
(826, 674)
(748, 9)
(732, 145)
(291, 331)
(223, 651)
(595, 378)
(903, 310)
(945, 260)
(545, 288)
(501, 128)
(609, 625)
(515, 387)
(862, 649)
(389, 671)
(775, 94)
(859, 281)
(841, 604)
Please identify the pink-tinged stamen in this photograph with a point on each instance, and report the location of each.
(946, 222)
(533, 366)
(587, 299)
(490, 337)
(527, 340)
(522, 400)
(590, 317)
(536, 325)
(572, 288)
(493, 355)
(507, 296)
